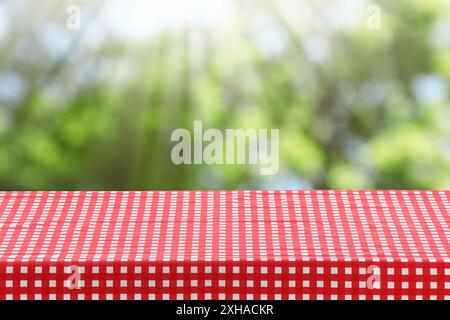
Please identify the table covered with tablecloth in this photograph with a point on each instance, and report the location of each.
(240, 245)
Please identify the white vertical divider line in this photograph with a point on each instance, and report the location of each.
(356, 241)
(157, 228)
(235, 225)
(365, 224)
(343, 241)
(118, 222)
(287, 226)
(99, 250)
(274, 226)
(378, 224)
(400, 229)
(248, 227)
(395, 238)
(168, 245)
(222, 226)
(146, 214)
(416, 227)
(183, 225)
(261, 226)
(313, 225)
(79, 224)
(209, 226)
(63, 231)
(197, 222)
(445, 227)
(14, 223)
(131, 226)
(92, 221)
(326, 229)
(300, 225)
(37, 231)
(50, 227)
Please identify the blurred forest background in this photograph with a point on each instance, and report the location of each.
(94, 108)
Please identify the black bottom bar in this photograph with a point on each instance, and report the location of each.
(223, 309)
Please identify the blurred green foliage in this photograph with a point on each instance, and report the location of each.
(356, 108)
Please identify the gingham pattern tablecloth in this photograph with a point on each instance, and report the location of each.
(225, 245)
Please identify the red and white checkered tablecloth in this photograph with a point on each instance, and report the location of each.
(225, 245)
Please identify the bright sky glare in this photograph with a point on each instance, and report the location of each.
(145, 18)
